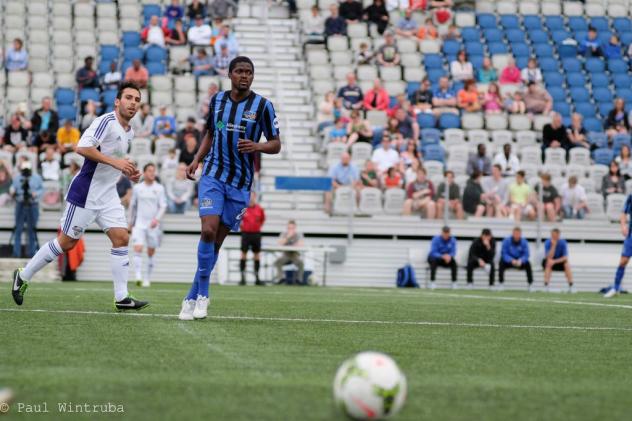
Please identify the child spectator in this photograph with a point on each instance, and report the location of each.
(531, 73)
(492, 103)
(365, 55)
(515, 103)
(468, 98)
(339, 132)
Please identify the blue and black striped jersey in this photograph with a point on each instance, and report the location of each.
(627, 209)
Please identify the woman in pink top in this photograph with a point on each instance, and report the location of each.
(511, 73)
(491, 101)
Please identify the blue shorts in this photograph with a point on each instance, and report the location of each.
(218, 198)
(627, 247)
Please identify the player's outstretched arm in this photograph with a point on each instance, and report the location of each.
(272, 146)
(205, 147)
(123, 165)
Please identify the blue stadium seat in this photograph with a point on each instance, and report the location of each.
(577, 23)
(66, 112)
(543, 50)
(516, 36)
(434, 153)
(474, 48)
(604, 108)
(626, 38)
(626, 94)
(594, 65)
(451, 47)
(560, 35)
(600, 23)
(377, 136)
(566, 51)
(126, 64)
(497, 48)
(599, 80)
(549, 64)
(571, 65)
(532, 22)
(435, 74)
(600, 140)
(586, 109)
(486, 20)
(433, 61)
(553, 79)
(150, 10)
(575, 79)
(603, 156)
(602, 95)
(563, 108)
(553, 23)
(618, 141)
(108, 97)
(426, 121)
(457, 86)
(132, 53)
(470, 34)
(411, 88)
(109, 52)
(155, 54)
(89, 94)
(477, 61)
(64, 96)
(520, 49)
(558, 94)
(593, 125)
(430, 136)
(156, 68)
(449, 121)
(622, 25)
(104, 67)
(617, 66)
(509, 21)
(622, 80)
(131, 39)
(493, 35)
(538, 37)
(522, 61)
(580, 94)
(604, 37)
(580, 35)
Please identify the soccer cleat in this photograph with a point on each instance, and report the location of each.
(611, 293)
(546, 288)
(571, 289)
(187, 310)
(146, 284)
(500, 288)
(260, 283)
(130, 303)
(201, 306)
(454, 285)
(139, 283)
(530, 288)
(19, 287)
(470, 286)
(242, 282)
(432, 285)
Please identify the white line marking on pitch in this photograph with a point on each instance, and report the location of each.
(289, 319)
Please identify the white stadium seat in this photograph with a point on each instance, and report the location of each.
(394, 201)
(370, 201)
(344, 200)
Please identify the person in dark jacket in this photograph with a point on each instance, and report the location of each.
(616, 122)
(334, 24)
(515, 255)
(481, 256)
(473, 196)
(45, 119)
(442, 253)
(555, 134)
(351, 11)
(479, 161)
(378, 15)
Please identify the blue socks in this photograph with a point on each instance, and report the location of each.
(619, 277)
(193, 292)
(207, 257)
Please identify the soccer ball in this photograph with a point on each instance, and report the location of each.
(370, 386)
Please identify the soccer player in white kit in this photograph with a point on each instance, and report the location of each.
(148, 205)
(92, 197)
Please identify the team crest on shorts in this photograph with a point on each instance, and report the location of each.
(206, 203)
(77, 231)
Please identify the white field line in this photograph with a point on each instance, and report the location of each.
(342, 321)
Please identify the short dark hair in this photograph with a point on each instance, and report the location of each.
(517, 229)
(486, 231)
(291, 222)
(126, 85)
(556, 230)
(149, 164)
(521, 174)
(240, 59)
(445, 229)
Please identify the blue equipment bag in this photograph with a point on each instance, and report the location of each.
(406, 277)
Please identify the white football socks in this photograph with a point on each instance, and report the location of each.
(150, 267)
(46, 254)
(138, 265)
(120, 272)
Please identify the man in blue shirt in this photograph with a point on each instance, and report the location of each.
(351, 94)
(344, 173)
(334, 24)
(164, 125)
(515, 255)
(626, 229)
(442, 253)
(591, 47)
(407, 26)
(27, 189)
(556, 259)
(444, 98)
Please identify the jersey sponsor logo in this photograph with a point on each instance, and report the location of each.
(250, 115)
(206, 204)
(241, 214)
(219, 124)
(77, 230)
(275, 123)
(235, 128)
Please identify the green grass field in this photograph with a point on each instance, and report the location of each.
(271, 353)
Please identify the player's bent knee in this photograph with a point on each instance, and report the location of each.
(66, 243)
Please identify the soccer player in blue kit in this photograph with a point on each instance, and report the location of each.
(236, 121)
(626, 253)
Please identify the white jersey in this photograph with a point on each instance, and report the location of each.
(95, 185)
(149, 202)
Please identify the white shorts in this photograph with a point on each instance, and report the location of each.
(149, 237)
(76, 220)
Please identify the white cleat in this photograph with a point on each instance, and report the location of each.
(571, 290)
(546, 288)
(432, 285)
(531, 288)
(611, 293)
(470, 286)
(146, 284)
(201, 306)
(500, 288)
(188, 306)
(454, 285)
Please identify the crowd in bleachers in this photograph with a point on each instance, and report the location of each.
(65, 60)
(549, 95)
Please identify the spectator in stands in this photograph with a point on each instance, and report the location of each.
(468, 97)
(510, 74)
(201, 63)
(67, 137)
(205, 101)
(338, 133)
(188, 148)
(515, 104)
(410, 174)
(112, 78)
(616, 122)
(487, 73)
(86, 76)
(388, 53)
(364, 55)
(89, 116)
(385, 157)
(474, 196)
(179, 191)
(226, 37)
(520, 198)
(169, 163)
(574, 199)
(420, 194)
(200, 33)
(174, 12)
(392, 179)
(344, 173)
(422, 98)
(427, 31)
(45, 120)
(358, 129)
(612, 50)
(496, 193)
(624, 160)
(531, 73)
(481, 256)
(196, 8)
(454, 196)
(555, 134)
(392, 130)
(221, 9)
(189, 128)
(407, 126)
(5, 183)
(222, 60)
(492, 102)
(155, 32)
(26, 206)
(291, 238)
(43, 140)
(335, 24)
(377, 14)
(461, 69)
(515, 255)
(143, 122)
(164, 125)
(406, 26)
(351, 11)
(590, 46)
(409, 155)
(15, 135)
(551, 204)
(124, 190)
(50, 168)
(177, 36)
(138, 74)
(16, 58)
(314, 26)
(444, 99)
(612, 182)
(325, 116)
(479, 161)
(537, 100)
(376, 98)
(368, 176)
(351, 93)
(452, 33)
(442, 253)
(556, 259)
(577, 133)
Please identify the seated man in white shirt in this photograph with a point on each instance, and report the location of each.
(200, 33)
(508, 161)
(385, 157)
